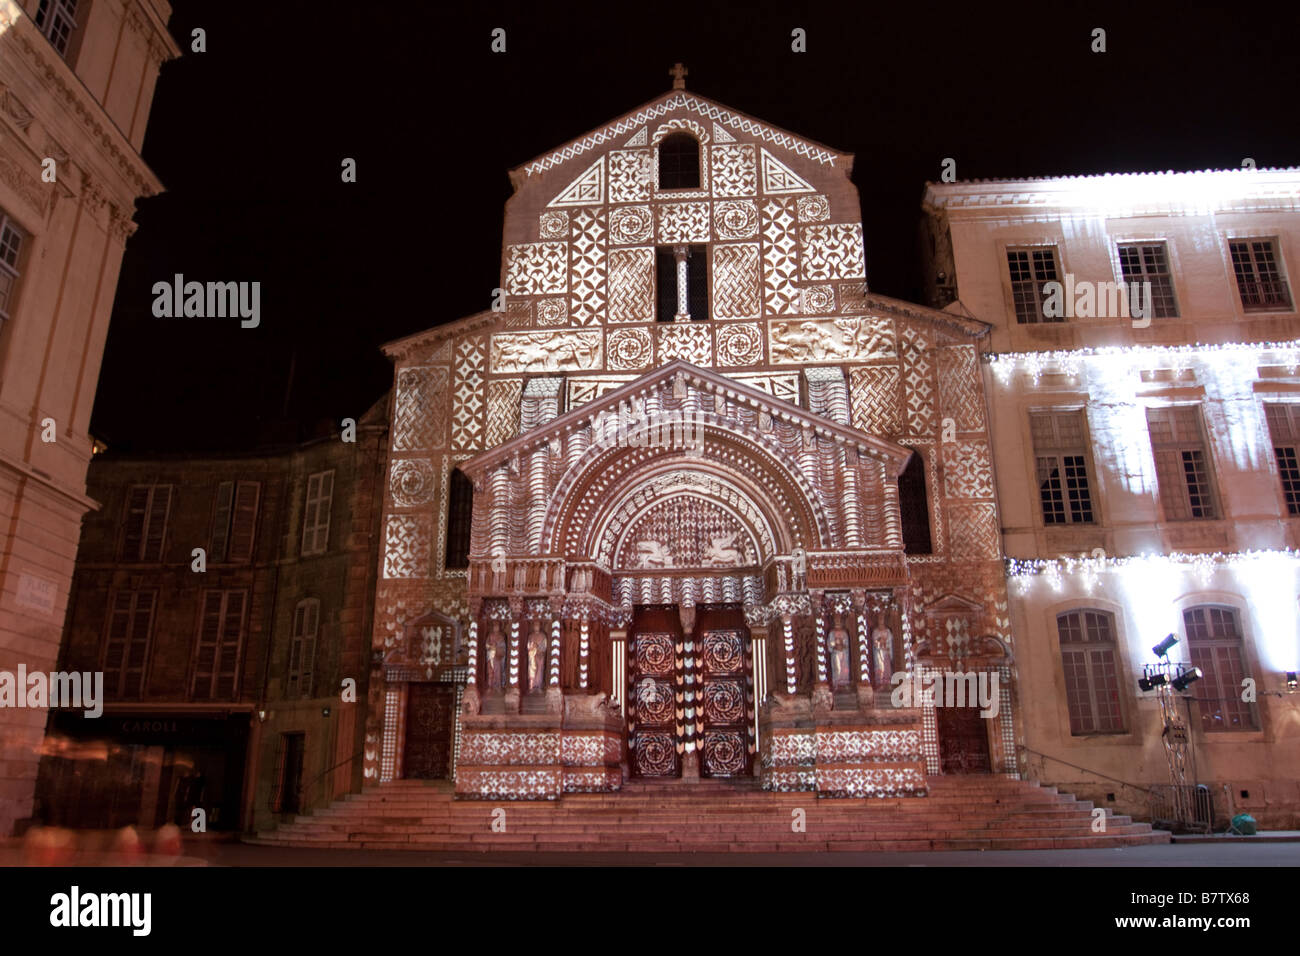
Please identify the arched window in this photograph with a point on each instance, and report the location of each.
(460, 510)
(1214, 636)
(1091, 675)
(679, 162)
(914, 508)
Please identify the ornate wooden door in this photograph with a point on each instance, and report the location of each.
(430, 721)
(963, 741)
(654, 692)
(726, 683)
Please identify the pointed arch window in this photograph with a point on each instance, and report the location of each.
(679, 162)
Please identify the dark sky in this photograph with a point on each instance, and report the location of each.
(248, 139)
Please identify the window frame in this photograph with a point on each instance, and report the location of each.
(1182, 448)
(58, 11)
(301, 672)
(140, 556)
(115, 689)
(1167, 277)
(311, 522)
(1279, 261)
(1058, 449)
(13, 271)
(1014, 285)
(1211, 687)
(1110, 645)
(221, 644)
(680, 136)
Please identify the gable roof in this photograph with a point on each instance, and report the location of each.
(709, 381)
(612, 133)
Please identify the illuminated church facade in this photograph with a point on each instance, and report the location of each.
(689, 498)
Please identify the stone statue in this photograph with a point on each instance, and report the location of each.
(838, 645)
(882, 642)
(798, 569)
(521, 576)
(498, 572)
(536, 658)
(496, 658)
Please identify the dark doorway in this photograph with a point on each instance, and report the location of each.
(430, 723)
(293, 759)
(963, 740)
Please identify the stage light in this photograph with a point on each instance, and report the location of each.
(1161, 649)
(1186, 679)
(1290, 682)
(1152, 681)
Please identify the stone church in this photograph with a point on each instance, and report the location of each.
(687, 502)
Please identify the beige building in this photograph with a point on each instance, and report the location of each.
(1146, 464)
(76, 83)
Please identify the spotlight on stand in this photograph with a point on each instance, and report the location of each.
(1152, 681)
(1161, 649)
(1290, 682)
(1186, 679)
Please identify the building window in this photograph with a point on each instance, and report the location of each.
(1061, 460)
(126, 645)
(679, 162)
(316, 516)
(1182, 463)
(668, 269)
(302, 649)
(234, 522)
(1091, 678)
(145, 525)
(220, 645)
(11, 247)
(460, 513)
(1031, 270)
(1214, 636)
(914, 508)
(1284, 428)
(57, 19)
(1148, 262)
(1260, 281)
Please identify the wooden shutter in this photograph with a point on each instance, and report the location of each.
(243, 524)
(205, 658)
(137, 649)
(221, 521)
(115, 645)
(308, 664)
(159, 507)
(232, 627)
(137, 511)
(316, 515)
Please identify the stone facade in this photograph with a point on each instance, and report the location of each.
(803, 396)
(73, 110)
(290, 540)
(1177, 424)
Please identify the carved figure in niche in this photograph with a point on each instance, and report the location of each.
(521, 577)
(498, 571)
(536, 657)
(798, 569)
(882, 643)
(653, 554)
(722, 552)
(496, 658)
(838, 645)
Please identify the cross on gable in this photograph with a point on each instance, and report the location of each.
(678, 73)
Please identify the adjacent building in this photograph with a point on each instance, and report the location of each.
(76, 84)
(1146, 464)
(226, 673)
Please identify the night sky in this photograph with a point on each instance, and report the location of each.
(248, 139)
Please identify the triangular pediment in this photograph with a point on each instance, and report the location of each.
(893, 455)
(952, 604)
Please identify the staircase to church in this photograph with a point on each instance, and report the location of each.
(961, 813)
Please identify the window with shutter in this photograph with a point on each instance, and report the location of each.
(220, 642)
(145, 524)
(1284, 428)
(316, 514)
(126, 645)
(221, 522)
(1091, 677)
(302, 649)
(243, 521)
(1061, 462)
(1215, 642)
(1182, 463)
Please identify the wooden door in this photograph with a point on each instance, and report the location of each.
(654, 679)
(430, 722)
(963, 740)
(726, 682)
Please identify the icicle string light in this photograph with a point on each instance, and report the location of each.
(1067, 360)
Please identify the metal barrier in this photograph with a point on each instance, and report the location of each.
(1186, 808)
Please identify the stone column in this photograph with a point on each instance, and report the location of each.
(513, 658)
(822, 696)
